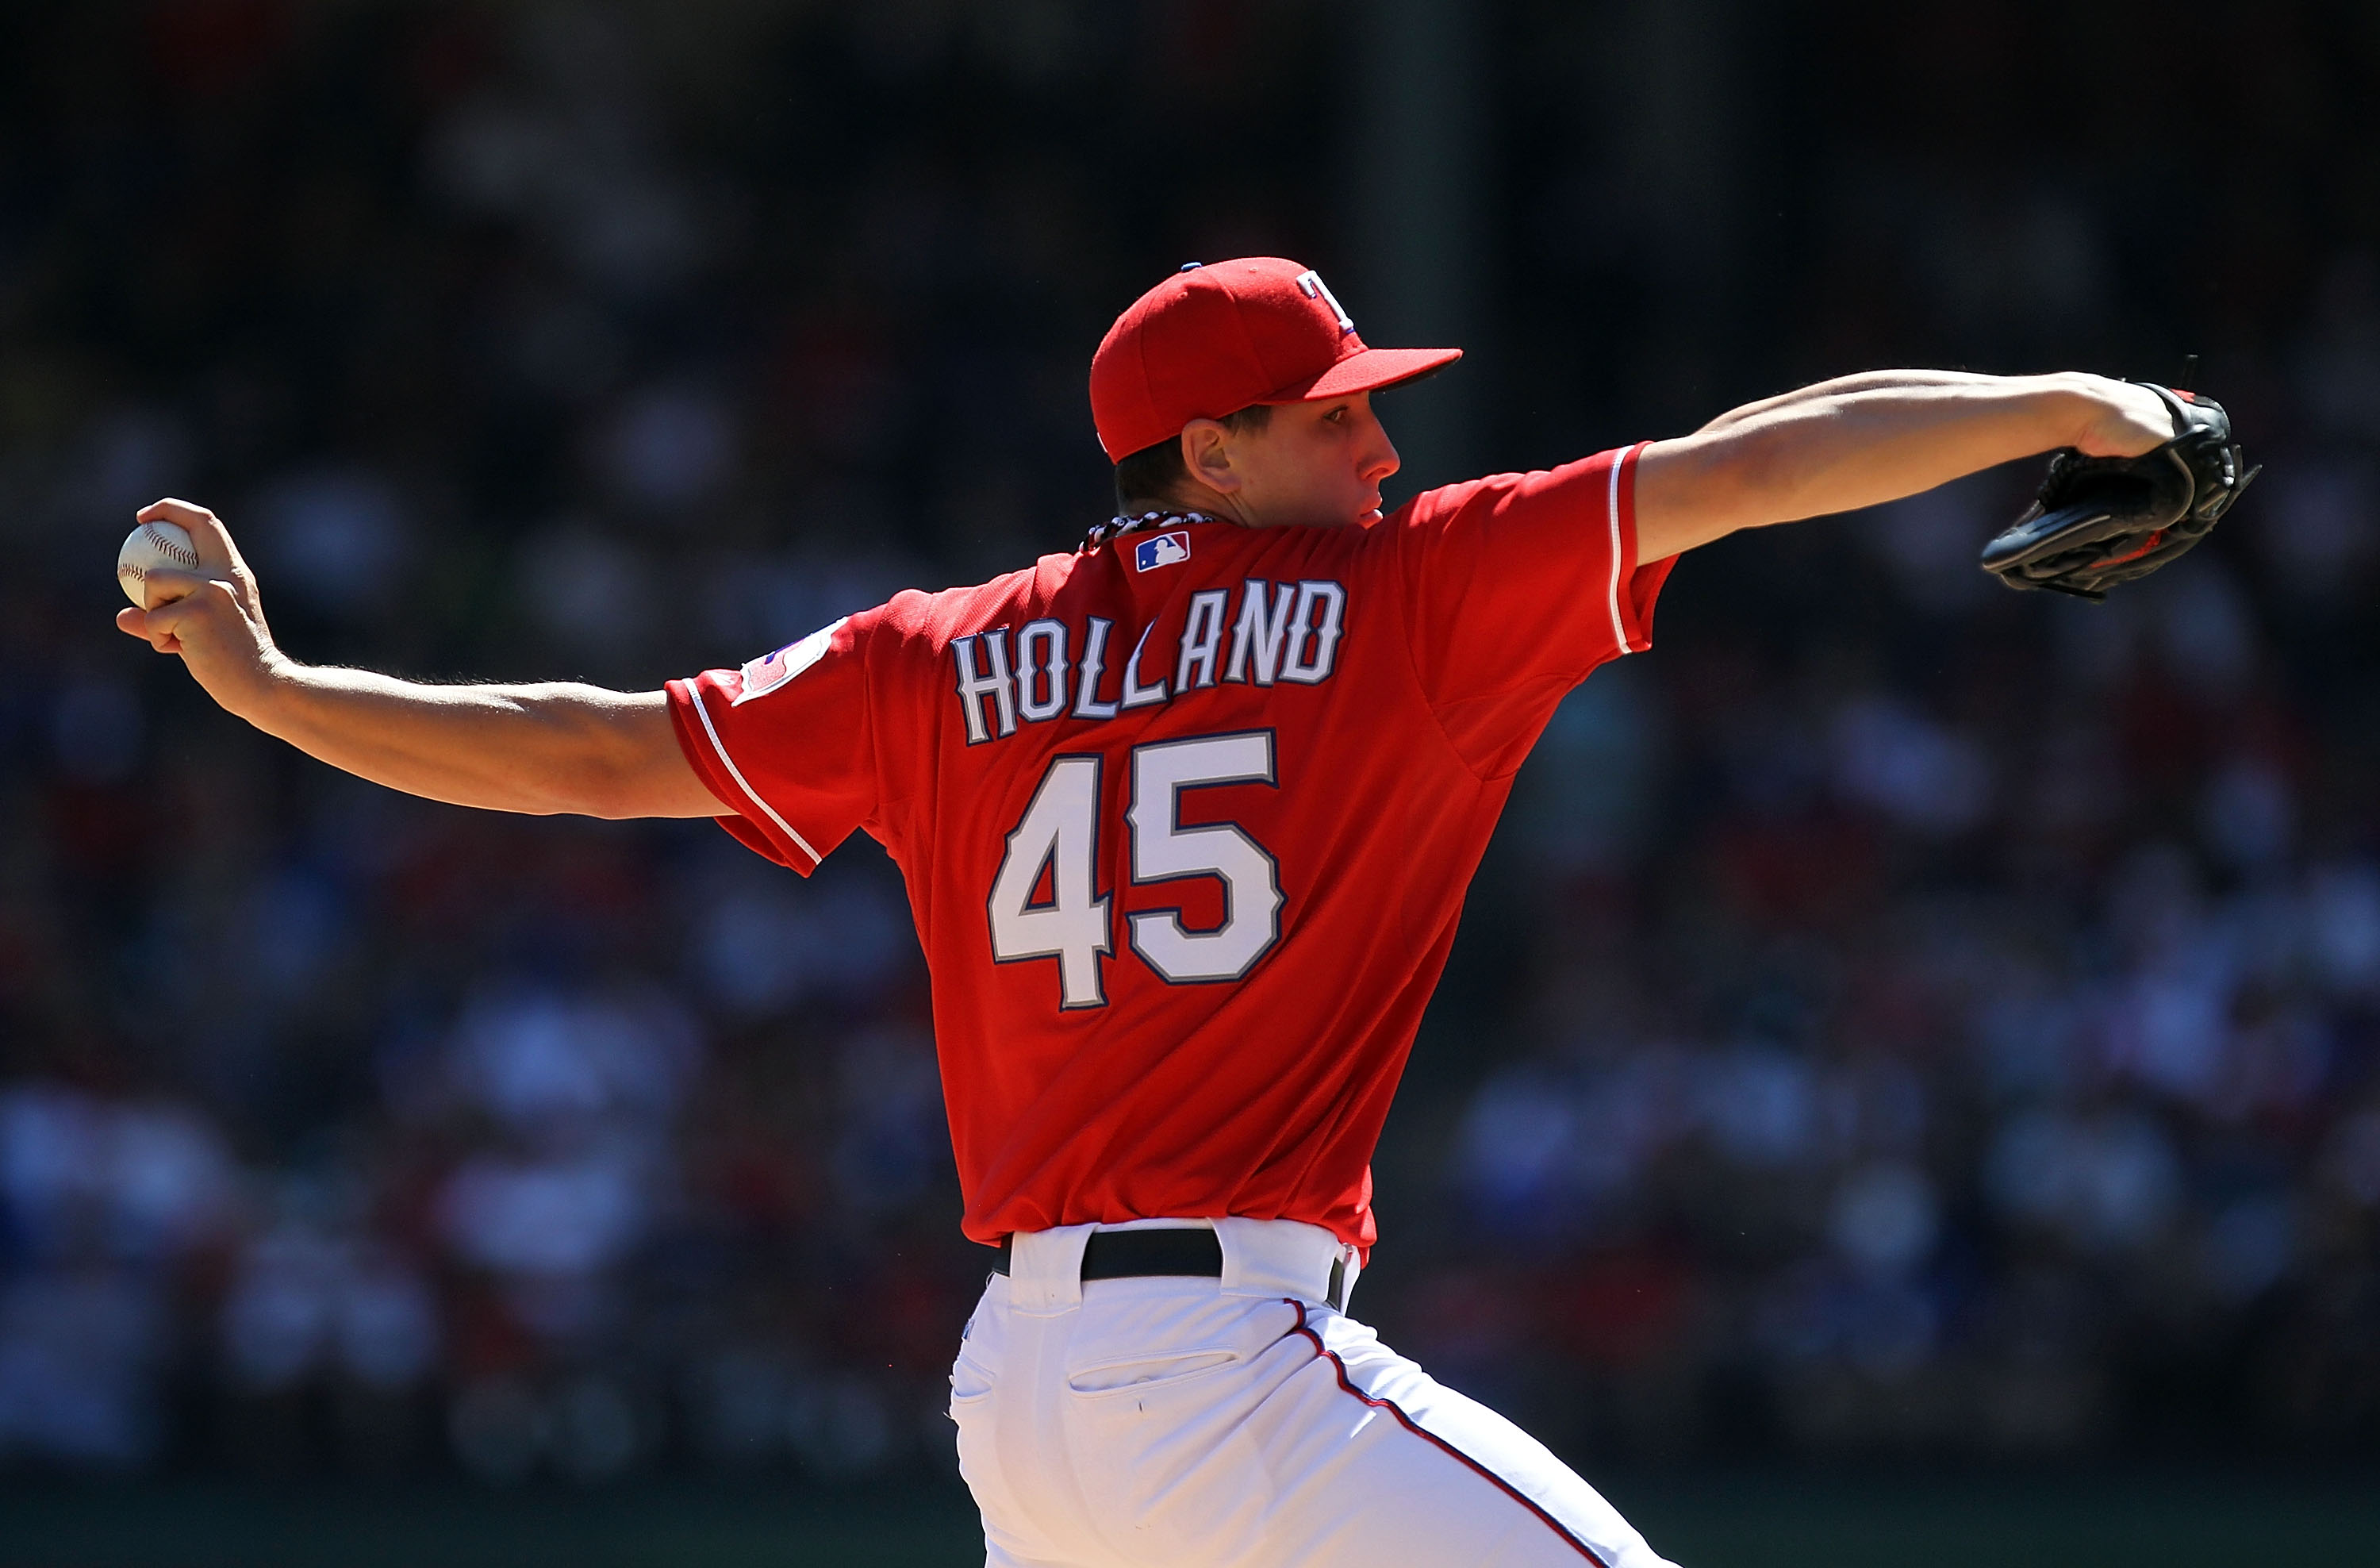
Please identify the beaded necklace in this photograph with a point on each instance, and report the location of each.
(1116, 528)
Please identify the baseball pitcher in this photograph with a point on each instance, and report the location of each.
(1186, 814)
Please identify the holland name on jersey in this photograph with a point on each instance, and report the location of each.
(1275, 632)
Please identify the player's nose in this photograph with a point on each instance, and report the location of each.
(1379, 454)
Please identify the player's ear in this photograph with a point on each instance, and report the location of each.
(1206, 455)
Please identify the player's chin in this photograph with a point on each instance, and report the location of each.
(1338, 513)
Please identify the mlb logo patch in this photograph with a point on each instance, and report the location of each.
(769, 671)
(1160, 550)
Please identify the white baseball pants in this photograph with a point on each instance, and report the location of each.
(1240, 1423)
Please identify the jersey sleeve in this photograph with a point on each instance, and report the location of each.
(1515, 587)
(787, 742)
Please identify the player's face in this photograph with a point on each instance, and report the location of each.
(1313, 464)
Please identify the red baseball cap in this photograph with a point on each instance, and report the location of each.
(1214, 339)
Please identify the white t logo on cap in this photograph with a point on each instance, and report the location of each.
(1310, 282)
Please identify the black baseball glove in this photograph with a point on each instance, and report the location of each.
(2099, 521)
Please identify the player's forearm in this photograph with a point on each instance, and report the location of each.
(1861, 448)
(1844, 449)
(1863, 381)
(538, 749)
(543, 748)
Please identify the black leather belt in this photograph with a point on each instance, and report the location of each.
(1128, 1255)
(1131, 1255)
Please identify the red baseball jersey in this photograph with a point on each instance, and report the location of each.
(1187, 821)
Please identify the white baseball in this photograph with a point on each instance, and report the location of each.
(153, 547)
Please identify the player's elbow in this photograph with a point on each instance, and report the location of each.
(594, 793)
(632, 765)
(584, 752)
(593, 787)
(1759, 475)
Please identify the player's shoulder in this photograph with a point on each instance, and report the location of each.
(1584, 487)
(1450, 500)
(934, 617)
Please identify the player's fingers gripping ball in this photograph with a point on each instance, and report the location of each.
(2100, 521)
(149, 549)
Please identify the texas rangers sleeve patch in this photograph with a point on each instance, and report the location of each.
(766, 674)
(1160, 550)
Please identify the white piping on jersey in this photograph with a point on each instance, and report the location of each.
(1619, 627)
(735, 773)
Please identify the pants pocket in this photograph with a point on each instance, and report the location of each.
(971, 1412)
(1147, 1373)
(1159, 1440)
(971, 1381)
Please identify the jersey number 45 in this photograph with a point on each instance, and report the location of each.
(1059, 836)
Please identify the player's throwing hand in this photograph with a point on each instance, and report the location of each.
(212, 616)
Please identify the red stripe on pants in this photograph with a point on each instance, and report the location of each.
(1416, 1427)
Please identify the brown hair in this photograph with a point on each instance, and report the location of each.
(1154, 475)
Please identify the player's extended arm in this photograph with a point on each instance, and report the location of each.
(1862, 440)
(543, 748)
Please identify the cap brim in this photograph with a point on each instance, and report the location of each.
(1368, 372)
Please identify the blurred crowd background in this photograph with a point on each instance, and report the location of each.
(1897, 1016)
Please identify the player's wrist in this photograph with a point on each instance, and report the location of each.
(270, 692)
(2121, 419)
(2075, 403)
